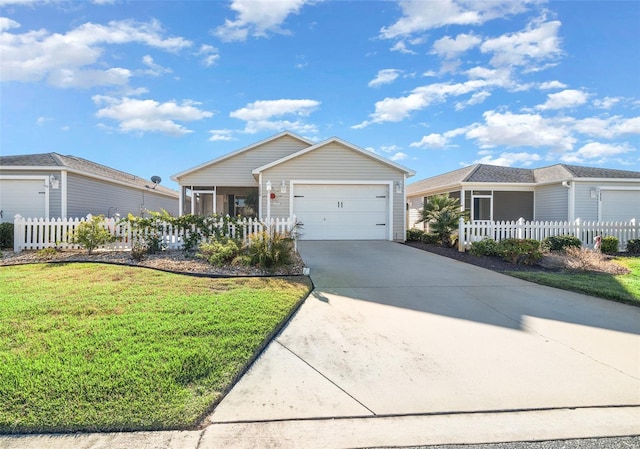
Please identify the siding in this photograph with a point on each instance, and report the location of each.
(586, 208)
(551, 203)
(512, 205)
(236, 170)
(334, 162)
(413, 212)
(55, 195)
(91, 196)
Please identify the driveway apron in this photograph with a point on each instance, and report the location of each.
(394, 331)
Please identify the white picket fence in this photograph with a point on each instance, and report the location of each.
(586, 231)
(40, 233)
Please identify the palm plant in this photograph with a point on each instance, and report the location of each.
(442, 213)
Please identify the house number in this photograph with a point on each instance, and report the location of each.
(340, 205)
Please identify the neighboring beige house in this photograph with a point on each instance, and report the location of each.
(556, 193)
(334, 188)
(51, 185)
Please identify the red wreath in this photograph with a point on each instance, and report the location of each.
(272, 196)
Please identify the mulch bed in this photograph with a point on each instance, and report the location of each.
(174, 261)
(490, 263)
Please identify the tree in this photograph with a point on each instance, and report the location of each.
(442, 213)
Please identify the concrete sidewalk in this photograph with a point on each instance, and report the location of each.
(399, 347)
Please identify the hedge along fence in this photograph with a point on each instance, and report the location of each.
(167, 232)
(586, 231)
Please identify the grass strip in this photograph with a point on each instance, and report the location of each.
(623, 288)
(91, 347)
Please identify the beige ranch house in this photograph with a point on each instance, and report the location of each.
(337, 190)
(558, 192)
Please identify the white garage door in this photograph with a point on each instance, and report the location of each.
(342, 212)
(619, 205)
(22, 196)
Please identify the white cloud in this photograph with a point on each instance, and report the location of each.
(153, 68)
(63, 58)
(525, 47)
(510, 159)
(84, 79)
(260, 115)
(149, 115)
(399, 156)
(595, 150)
(419, 16)
(257, 18)
(565, 99)
(385, 76)
(548, 85)
(607, 102)
(42, 120)
(476, 98)
(397, 109)
(7, 24)
(433, 140)
(521, 130)
(220, 135)
(610, 127)
(389, 148)
(210, 55)
(451, 48)
(401, 46)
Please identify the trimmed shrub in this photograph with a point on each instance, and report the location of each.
(520, 251)
(414, 235)
(91, 234)
(485, 247)
(560, 243)
(633, 246)
(219, 252)
(431, 239)
(6, 235)
(609, 245)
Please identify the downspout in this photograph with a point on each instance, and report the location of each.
(63, 194)
(571, 199)
(260, 195)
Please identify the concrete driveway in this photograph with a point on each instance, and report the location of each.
(392, 332)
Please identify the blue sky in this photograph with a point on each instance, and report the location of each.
(154, 88)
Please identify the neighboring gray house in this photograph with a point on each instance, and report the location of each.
(51, 185)
(335, 189)
(556, 193)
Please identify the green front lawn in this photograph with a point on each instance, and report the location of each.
(103, 347)
(623, 288)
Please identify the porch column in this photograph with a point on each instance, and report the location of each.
(181, 201)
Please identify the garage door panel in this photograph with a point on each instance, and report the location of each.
(620, 205)
(26, 197)
(340, 212)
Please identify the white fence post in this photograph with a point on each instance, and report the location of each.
(462, 236)
(18, 233)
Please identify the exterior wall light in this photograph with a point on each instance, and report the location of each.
(283, 187)
(398, 186)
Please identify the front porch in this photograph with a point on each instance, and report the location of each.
(209, 200)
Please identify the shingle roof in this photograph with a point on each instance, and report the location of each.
(81, 165)
(494, 174)
(446, 179)
(595, 172)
